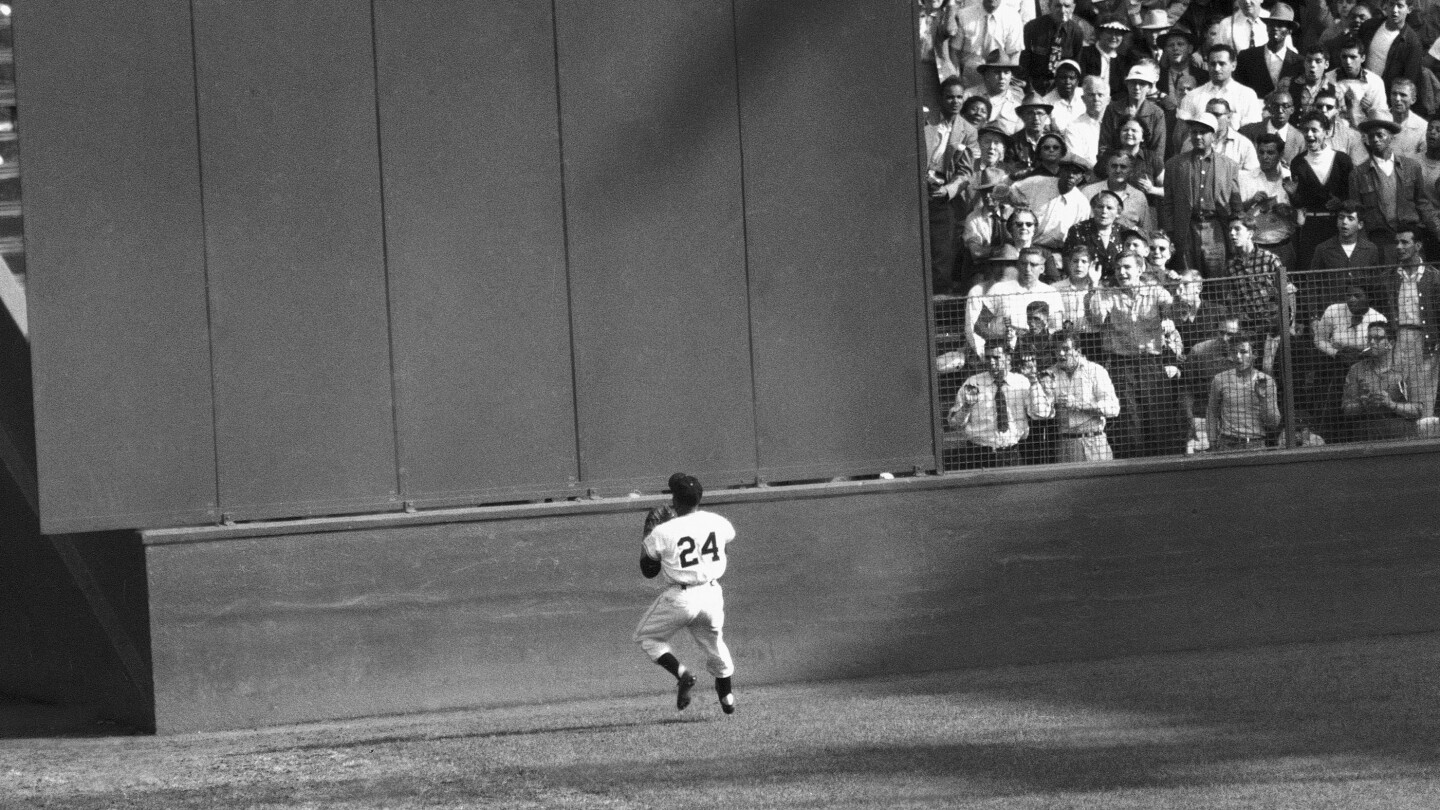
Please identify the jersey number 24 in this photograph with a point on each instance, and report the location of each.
(688, 557)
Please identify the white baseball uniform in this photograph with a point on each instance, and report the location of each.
(691, 551)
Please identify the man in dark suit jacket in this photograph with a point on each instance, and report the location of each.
(1202, 190)
(1252, 65)
(1059, 30)
(1380, 213)
(1406, 56)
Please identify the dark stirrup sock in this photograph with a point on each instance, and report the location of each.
(722, 686)
(670, 663)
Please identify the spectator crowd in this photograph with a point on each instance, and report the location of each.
(1182, 228)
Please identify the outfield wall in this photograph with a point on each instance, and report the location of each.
(307, 620)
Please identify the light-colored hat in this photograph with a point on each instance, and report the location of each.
(1206, 120)
(998, 63)
(1143, 73)
(1078, 161)
(1069, 63)
(1383, 123)
(1281, 14)
(1154, 20)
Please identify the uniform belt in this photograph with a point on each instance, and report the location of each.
(1084, 434)
(682, 586)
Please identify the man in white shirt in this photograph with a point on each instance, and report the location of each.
(1245, 28)
(1228, 142)
(1410, 140)
(984, 32)
(1065, 97)
(1362, 91)
(1082, 137)
(1015, 297)
(1135, 212)
(1242, 100)
(1341, 335)
(1263, 191)
(992, 412)
(1082, 397)
(1068, 207)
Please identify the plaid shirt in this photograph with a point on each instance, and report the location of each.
(1250, 291)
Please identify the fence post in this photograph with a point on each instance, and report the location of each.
(1287, 398)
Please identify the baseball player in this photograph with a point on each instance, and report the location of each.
(689, 549)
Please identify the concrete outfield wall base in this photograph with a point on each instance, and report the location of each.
(274, 624)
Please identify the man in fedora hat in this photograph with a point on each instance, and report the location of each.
(1064, 98)
(1388, 188)
(1025, 145)
(983, 232)
(1051, 39)
(1202, 190)
(1145, 39)
(998, 88)
(1177, 51)
(982, 32)
(984, 313)
(1136, 103)
(1266, 66)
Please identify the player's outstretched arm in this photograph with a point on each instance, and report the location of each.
(649, 566)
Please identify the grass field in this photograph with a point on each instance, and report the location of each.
(1344, 725)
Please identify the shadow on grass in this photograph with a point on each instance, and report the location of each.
(370, 742)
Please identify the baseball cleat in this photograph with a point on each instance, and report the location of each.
(727, 703)
(682, 691)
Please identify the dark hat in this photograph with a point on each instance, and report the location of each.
(686, 489)
(1371, 123)
(1114, 24)
(1036, 101)
(990, 177)
(1179, 30)
(992, 129)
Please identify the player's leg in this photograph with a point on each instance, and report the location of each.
(665, 618)
(708, 630)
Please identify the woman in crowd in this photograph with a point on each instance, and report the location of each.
(1319, 182)
(1147, 169)
(1049, 151)
(1099, 234)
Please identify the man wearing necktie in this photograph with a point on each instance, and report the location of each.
(992, 412)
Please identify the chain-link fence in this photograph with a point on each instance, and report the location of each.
(1080, 371)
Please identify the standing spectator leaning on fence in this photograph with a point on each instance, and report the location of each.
(1244, 403)
(1081, 397)
(992, 412)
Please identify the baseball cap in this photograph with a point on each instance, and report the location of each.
(686, 489)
